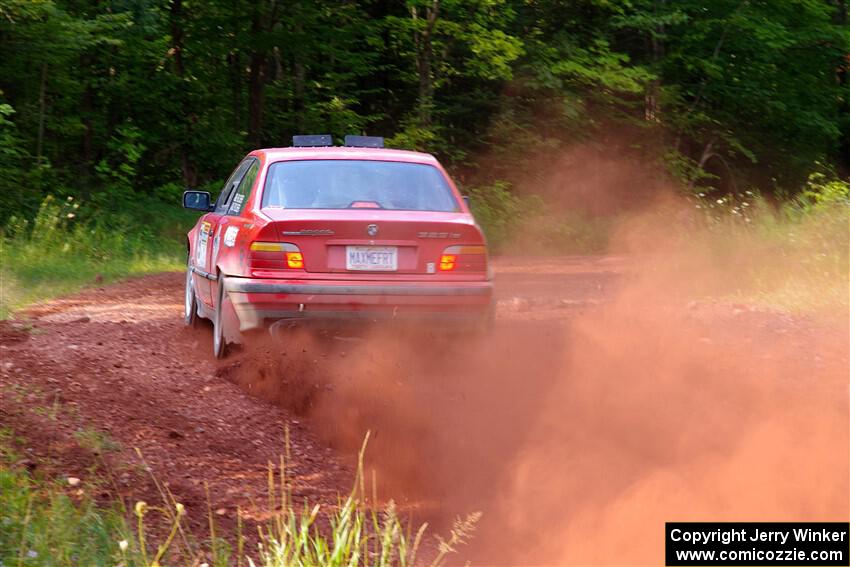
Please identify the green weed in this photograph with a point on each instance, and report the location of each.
(98, 442)
(42, 525)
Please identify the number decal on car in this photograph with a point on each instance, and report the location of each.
(201, 246)
(230, 236)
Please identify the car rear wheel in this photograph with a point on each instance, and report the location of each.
(190, 303)
(219, 334)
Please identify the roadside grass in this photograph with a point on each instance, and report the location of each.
(806, 272)
(45, 522)
(41, 523)
(57, 253)
(794, 257)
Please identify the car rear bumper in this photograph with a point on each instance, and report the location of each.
(257, 301)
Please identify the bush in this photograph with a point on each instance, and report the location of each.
(527, 224)
(497, 210)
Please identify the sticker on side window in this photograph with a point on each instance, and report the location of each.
(230, 236)
(236, 205)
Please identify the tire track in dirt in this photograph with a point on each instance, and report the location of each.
(118, 360)
(116, 364)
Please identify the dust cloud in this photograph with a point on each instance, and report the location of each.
(579, 427)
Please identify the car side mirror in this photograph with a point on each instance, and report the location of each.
(466, 200)
(196, 200)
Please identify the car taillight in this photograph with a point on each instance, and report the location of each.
(467, 250)
(447, 262)
(269, 246)
(294, 260)
(276, 255)
(464, 258)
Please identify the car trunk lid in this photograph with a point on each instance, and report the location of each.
(411, 242)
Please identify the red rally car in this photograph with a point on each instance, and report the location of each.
(316, 231)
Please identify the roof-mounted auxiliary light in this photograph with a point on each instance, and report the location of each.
(364, 141)
(312, 141)
(326, 140)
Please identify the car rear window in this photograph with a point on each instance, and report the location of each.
(348, 184)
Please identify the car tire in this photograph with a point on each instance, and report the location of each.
(219, 334)
(190, 301)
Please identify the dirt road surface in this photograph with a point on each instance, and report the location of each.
(596, 411)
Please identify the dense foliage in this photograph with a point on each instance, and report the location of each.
(104, 100)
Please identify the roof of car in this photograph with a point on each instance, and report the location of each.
(338, 152)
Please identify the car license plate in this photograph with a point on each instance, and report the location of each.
(371, 258)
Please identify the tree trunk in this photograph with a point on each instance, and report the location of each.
(707, 154)
(42, 97)
(256, 84)
(841, 12)
(257, 76)
(88, 135)
(651, 107)
(234, 63)
(424, 57)
(840, 19)
(190, 171)
(87, 113)
(299, 75)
